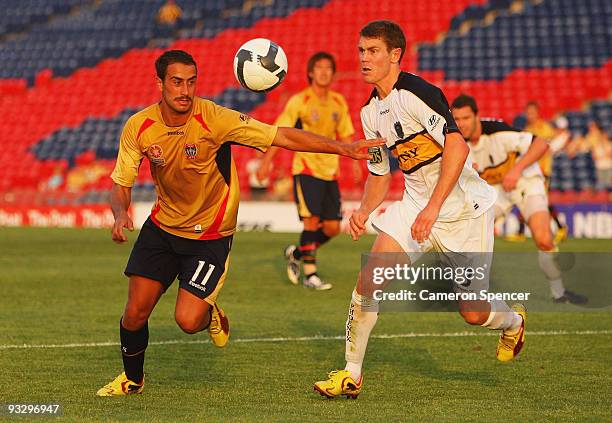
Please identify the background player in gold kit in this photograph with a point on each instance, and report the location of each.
(322, 111)
(189, 232)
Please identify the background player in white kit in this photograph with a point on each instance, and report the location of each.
(445, 206)
(508, 160)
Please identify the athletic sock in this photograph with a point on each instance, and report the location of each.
(297, 254)
(555, 216)
(308, 251)
(362, 316)
(321, 237)
(546, 260)
(521, 228)
(133, 346)
(503, 317)
(308, 275)
(557, 289)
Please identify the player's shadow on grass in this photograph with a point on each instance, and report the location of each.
(419, 361)
(179, 363)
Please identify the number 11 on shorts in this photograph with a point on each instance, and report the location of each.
(201, 264)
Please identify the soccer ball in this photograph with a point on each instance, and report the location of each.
(260, 65)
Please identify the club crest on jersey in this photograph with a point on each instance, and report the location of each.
(314, 115)
(156, 155)
(245, 118)
(433, 121)
(191, 151)
(335, 116)
(398, 129)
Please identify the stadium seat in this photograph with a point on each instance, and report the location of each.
(83, 53)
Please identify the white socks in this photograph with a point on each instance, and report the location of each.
(362, 316)
(549, 266)
(502, 317)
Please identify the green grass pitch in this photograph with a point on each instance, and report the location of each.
(65, 288)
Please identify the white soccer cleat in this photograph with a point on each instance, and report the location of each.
(315, 282)
(293, 265)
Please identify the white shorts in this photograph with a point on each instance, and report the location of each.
(467, 235)
(449, 239)
(529, 196)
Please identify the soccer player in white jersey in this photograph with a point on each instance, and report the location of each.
(495, 151)
(445, 205)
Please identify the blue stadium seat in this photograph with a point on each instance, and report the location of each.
(547, 35)
(109, 29)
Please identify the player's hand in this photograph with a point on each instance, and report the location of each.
(511, 179)
(357, 223)
(263, 172)
(421, 227)
(121, 221)
(359, 150)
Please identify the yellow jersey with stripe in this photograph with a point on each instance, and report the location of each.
(327, 117)
(544, 130)
(499, 149)
(414, 118)
(192, 167)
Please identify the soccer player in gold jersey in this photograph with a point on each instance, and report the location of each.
(189, 232)
(322, 111)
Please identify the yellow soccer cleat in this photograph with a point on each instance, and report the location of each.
(121, 386)
(561, 235)
(340, 382)
(515, 238)
(219, 329)
(509, 346)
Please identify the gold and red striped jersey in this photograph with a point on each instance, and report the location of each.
(192, 167)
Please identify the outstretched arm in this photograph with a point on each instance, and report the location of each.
(299, 140)
(120, 199)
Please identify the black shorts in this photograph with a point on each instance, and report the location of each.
(200, 265)
(316, 197)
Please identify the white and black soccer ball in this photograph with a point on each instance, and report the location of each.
(260, 65)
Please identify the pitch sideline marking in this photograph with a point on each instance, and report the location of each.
(309, 338)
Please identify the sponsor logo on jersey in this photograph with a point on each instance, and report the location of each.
(245, 118)
(156, 155)
(191, 151)
(416, 151)
(176, 133)
(495, 174)
(384, 112)
(314, 115)
(409, 153)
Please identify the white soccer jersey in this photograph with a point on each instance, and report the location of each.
(414, 119)
(498, 149)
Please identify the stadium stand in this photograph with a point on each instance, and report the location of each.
(101, 71)
(600, 111)
(19, 16)
(551, 34)
(112, 27)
